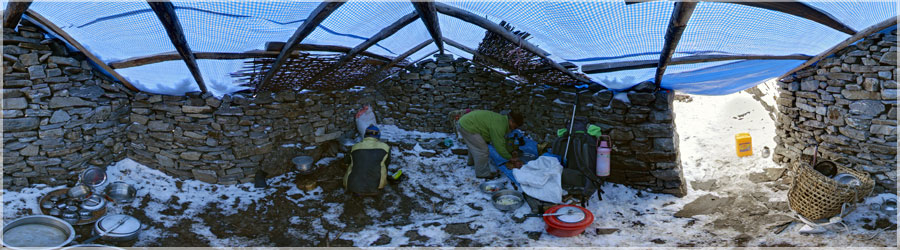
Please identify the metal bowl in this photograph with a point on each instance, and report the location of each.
(37, 232)
(304, 164)
(90, 247)
(489, 187)
(79, 191)
(507, 200)
(94, 202)
(847, 179)
(120, 192)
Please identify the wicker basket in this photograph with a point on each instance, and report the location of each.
(815, 196)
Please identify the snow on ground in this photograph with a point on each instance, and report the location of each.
(450, 210)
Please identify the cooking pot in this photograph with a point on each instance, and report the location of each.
(118, 227)
(568, 221)
(120, 192)
(304, 164)
(507, 200)
(37, 232)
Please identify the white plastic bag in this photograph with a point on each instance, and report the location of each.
(364, 118)
(541, 179)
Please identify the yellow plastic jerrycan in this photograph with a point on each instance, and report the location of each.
(744, 144)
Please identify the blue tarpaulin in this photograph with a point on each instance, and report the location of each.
(578, 32)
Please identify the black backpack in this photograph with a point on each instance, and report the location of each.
(580, 163)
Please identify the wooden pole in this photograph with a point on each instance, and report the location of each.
(397, 60)
(642, 64)
(65, 36)
(429, 18)
(13, 13)
(165, 11)
(506, 34)
(680, 16)
(315, 18)
(892, 21)
(381, 35)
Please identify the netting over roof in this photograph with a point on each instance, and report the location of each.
(577, 32)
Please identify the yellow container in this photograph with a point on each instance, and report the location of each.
(743, 144)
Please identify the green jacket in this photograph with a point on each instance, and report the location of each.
(492, 127)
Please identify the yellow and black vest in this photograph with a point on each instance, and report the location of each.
(368, 168)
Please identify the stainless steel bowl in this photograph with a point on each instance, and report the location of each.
(847, 179)
(91, 247)
(37, 232)
(304, 164)
(507, 200)
(489, 187)
(85, 214)
(47, 204)
(94, 202)
(120, 192)
(79, 191)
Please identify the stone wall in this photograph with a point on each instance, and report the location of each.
(228, 140)
(848, 105)
(640, 121)
(59, 115)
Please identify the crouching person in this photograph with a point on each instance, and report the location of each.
(369, 159)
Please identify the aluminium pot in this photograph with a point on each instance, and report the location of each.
(120, 192)
(118, 227)
(79, 191)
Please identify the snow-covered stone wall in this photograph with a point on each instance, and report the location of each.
(228, 140)
(847, 104)
(59, 115)
(639, 121)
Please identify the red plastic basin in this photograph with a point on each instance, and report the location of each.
(564, 229)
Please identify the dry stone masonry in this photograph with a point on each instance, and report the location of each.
(59, 114)
(640, 121)
(228, 140)
(847, 104)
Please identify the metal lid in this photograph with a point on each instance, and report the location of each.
(847, 179)
(130, 224)
(94, 202)
(570, 215)
(93, 176)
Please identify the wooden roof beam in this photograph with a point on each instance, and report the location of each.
(891, 21)
(475, 53)
(643, 64)
(429, 18)
(381, 35)
(794, 8)
(277, 46)
(165, 11)
(315, 18)
(13, 13)
(397, 60)
(799, 9)
(680, 16)
(506, 34)
(65, 36)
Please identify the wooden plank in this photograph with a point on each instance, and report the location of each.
(65, 36)
(680, 16)
(506, 34)
(165, 11)
(381, 35)
(315, 18)
(277, 46)
(173, 55)
(643, 64)
(13, 13)
(397, 60)
(429, 18)
(892, 21)
(802, 10)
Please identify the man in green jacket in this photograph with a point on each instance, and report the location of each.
(368, 168)
(480, 127)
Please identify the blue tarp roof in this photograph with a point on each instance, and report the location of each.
(577, 32)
